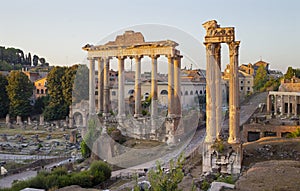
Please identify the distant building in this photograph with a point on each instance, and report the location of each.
(246, 79)
(285, 101)
(193, 84)
(40, 87)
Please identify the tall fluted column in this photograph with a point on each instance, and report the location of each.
(154, 86)
(100, 85)
(234, 110)
(177, 85)
(289, 106)
(218, 76)
(137, 91)
(137, 108)
(121, 101)
(170, 87)
(282, 104)
(106, 87)
(92, 87)
(210, 94)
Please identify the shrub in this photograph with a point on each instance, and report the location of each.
(82, 179)
(60, 171)
(100, 166)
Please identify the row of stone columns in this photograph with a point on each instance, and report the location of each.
(214, 92)
(174, 88)
(282, 103)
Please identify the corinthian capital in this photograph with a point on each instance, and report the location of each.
(234, 47)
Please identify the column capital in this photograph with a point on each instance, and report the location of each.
(138, 56)
(154, 56)
(121, 57)
(234, 47)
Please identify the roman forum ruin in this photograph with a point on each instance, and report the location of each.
(214, 159)
(132, 45)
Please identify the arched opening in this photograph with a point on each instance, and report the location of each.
(164, 92)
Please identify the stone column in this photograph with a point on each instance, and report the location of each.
(177, 85)
(218, 76)
(282, 105)
(92, 87)
(154, 86)
(269, 103)
(275, 105)
(170, 87)
(100, 85)
(106, 87)
(289, 106)
(121, 101)
(137, 108)
(210, 94)
(295, 106)
(234, 108)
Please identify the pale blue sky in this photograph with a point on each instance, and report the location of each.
(57, 29)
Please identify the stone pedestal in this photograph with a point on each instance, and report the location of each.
(29, 121)
(19, 120)
(228, 161)
(42, 120)
(7, 119)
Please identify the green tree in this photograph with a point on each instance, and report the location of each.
(289, 73)
(35, 60)
(60, 86)
(40, 104)
(57, 107)
(165, 181)
(19, 91)
(260, 78)
(4, 100)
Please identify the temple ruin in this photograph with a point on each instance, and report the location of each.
(214, 158)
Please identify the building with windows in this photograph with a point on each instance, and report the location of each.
(40, 88)
(246, 81)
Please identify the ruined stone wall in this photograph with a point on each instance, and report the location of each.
(262, 129)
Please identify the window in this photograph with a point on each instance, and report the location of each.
(131, 91)
(201, 92)
(46, 91)
(113, 93)
(242, 88)
(39, 84)
(37, 91)
(248, 82)
(248, 88)
(196, 92)
(42, 91)
(191, 92)
(242, 82)
(186, 93)
(164, 92)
